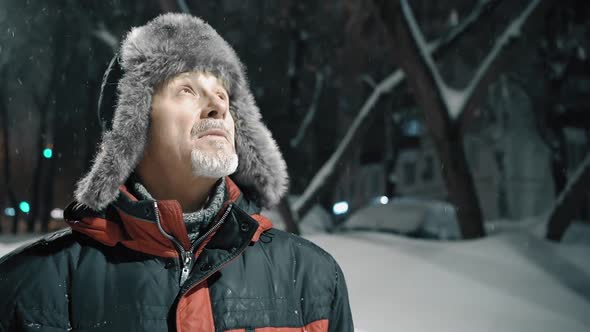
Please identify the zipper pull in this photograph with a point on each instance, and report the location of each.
(187, 262)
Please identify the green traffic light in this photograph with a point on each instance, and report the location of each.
(24, 206)
(47, 153)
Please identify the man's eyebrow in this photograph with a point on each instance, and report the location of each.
(191, 77)
(180, 79)
(176, 81)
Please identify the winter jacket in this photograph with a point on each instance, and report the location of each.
(132, 268)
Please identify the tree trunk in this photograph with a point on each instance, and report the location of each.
(296, 56)
(390, 146)
(6, 138)
(297, 49)
(287, 215)
(556, 140)
(559, 165)
(459, 183)
(37, 175)
(446, 133)
(42, 105)
(569, 202)
(39, 204)
(50, 176)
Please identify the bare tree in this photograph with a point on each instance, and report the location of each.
(330, 170)
(103, 34)
(569, 201)
(310, 114)
(558, 66)
(390, 134)
(445, 108)
(43, 104)
(6, 139)
(565, 63)
(48, 184)
(297, 50)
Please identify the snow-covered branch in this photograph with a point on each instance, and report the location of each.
(329, 166)
(569, 201)
(584, 165)
(423, 51)
(369, 80)
(104, 35)
(183, 6)
(319, 84)
(486, 71)
(480, 10)
(456, 102)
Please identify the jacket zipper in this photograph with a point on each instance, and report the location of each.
(186, 258)
(194, 283)
(187, 288)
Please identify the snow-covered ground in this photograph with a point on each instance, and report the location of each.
(512, 280)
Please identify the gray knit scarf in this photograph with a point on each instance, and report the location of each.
(196, 222)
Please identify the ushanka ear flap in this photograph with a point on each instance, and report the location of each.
(125, 121)
(262, 171)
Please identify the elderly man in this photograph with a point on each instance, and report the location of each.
(165, 230)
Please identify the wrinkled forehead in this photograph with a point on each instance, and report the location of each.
(193, 75)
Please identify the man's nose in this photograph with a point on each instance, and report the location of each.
(216, 108)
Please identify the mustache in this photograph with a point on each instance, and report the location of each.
(208, 124)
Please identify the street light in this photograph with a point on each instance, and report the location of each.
(47, 153)
(10, 212)
(24, 206)
(340, 208)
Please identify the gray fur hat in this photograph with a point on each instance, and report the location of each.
(169, 45)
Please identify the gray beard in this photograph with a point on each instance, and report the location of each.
(215, 164)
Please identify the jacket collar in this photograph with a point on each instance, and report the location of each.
(133, 223)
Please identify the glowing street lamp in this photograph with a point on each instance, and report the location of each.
(25, 206)
(340, 208)
(48, 153)
(10, 212)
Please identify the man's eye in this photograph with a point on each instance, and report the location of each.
(221, 96)
(187, 90)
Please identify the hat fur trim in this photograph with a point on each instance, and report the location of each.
(169, 45)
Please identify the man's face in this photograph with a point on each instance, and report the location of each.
(191, 125)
